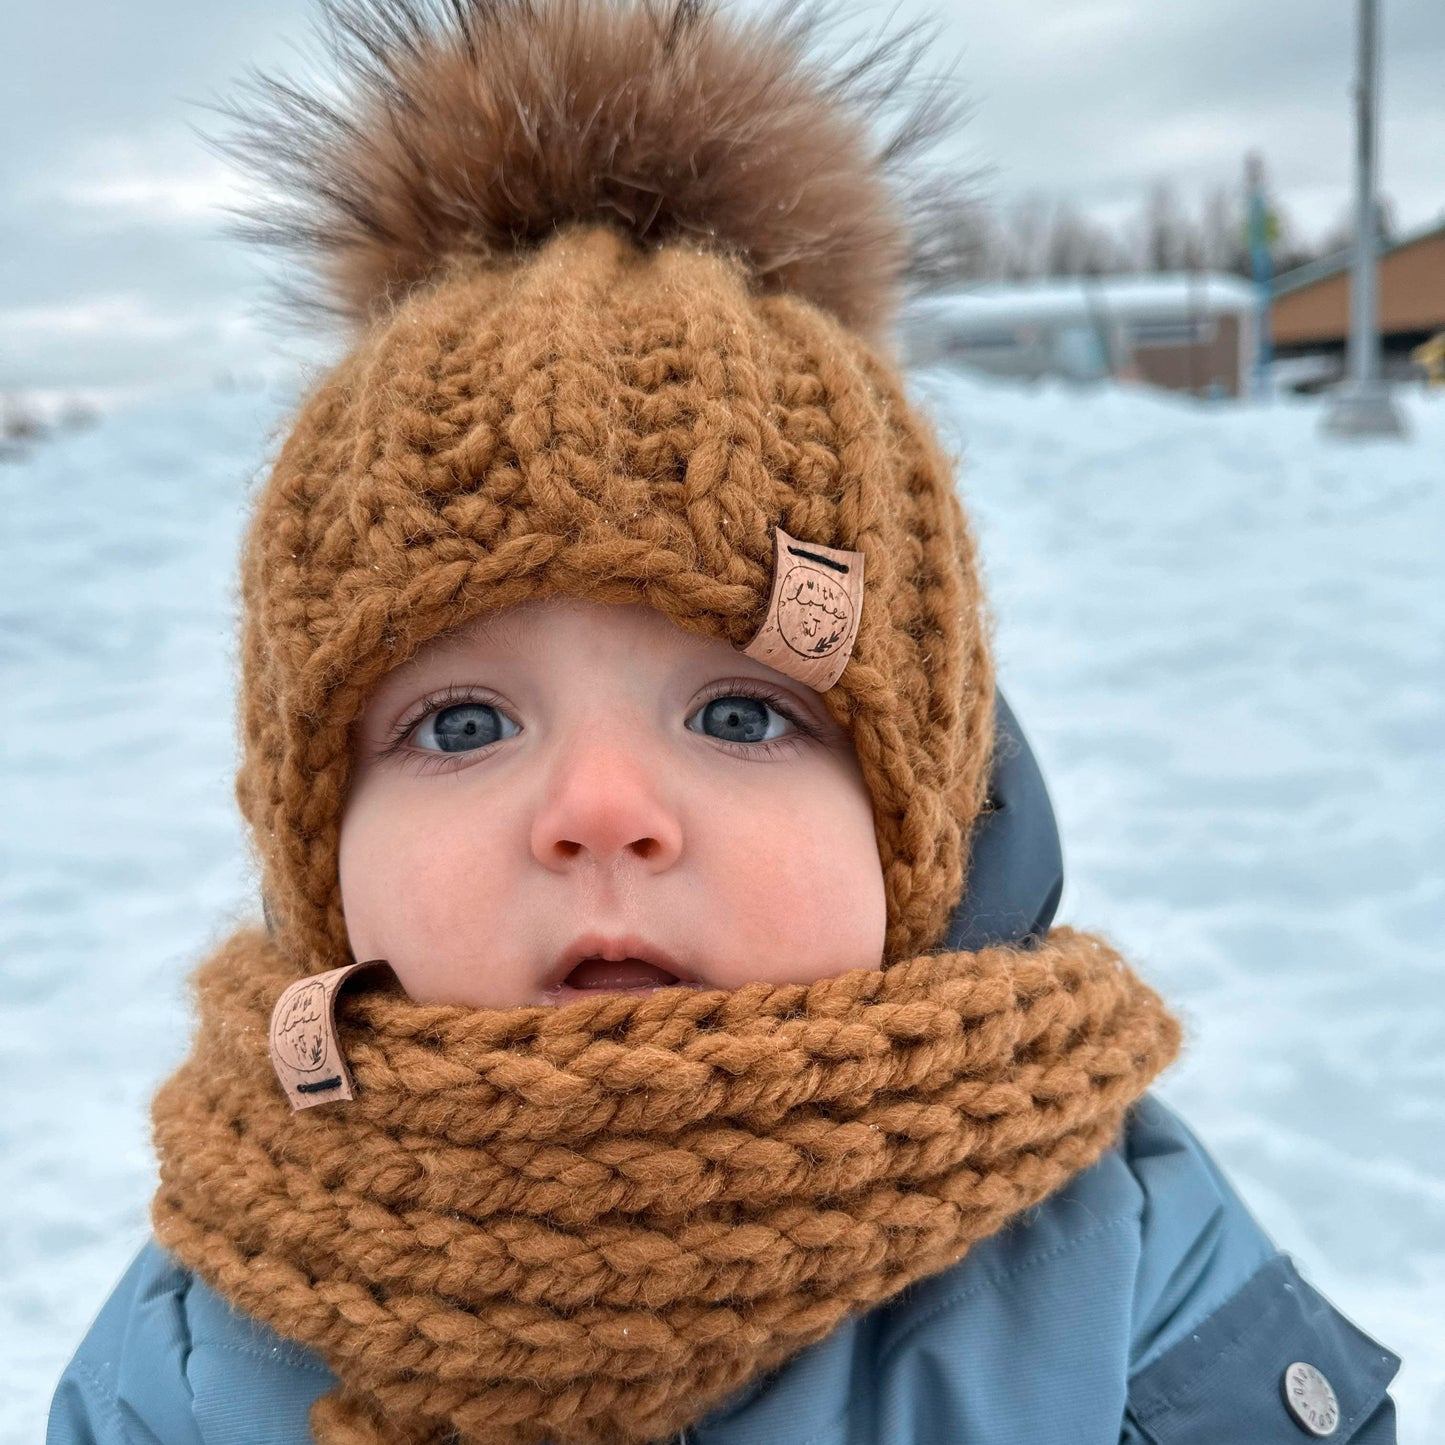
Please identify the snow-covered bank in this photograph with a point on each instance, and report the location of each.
(1223, 635)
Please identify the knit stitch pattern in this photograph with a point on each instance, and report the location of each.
(621, 277)
(588, 1224)
(625, 426)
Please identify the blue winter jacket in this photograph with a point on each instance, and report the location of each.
(1141, 1302)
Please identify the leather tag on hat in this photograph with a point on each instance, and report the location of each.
(813, 611)
(305, 1051)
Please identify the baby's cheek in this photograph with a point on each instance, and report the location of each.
(413, 883)
(811, 890)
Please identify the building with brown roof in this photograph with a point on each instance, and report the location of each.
(1311, 311)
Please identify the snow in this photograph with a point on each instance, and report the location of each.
(1181, 293)
(1222, 633)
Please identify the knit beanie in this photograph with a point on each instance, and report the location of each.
(620, 280)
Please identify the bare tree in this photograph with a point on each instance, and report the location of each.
(1078, 246)
(1164, 243)
(960, 243)
(1035, 235)
(1341, 236)
(1067, 241)
(1222, 231)
(1025, 234)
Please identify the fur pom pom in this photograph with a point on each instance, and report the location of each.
(476, 127)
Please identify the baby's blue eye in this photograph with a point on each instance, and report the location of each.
(463, 727)
(740, 720)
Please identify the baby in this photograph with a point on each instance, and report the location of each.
(615, 668)
(568, 796)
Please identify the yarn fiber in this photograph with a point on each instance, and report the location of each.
(627, 427)
(589, 1224)
(621, 278)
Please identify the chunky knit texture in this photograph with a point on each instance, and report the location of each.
(621, 276)
(626, 426)
(590, 1224)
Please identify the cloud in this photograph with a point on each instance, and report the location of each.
(94, 316)
(114, 233)
(132, 338)
(196, 198)
(128, 315)
(164, 175)
(1097, 99)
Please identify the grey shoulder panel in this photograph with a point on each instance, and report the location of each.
(1227, 1380)
(1016, 865)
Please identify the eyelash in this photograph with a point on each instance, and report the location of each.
(423, 760)
(427, 761)
(771, 747)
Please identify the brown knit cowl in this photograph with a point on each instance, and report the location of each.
(590, 1224)
(622, 276)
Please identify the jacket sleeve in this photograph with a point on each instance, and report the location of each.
(1228, 1341)
(168, 1361)
(127, 1383)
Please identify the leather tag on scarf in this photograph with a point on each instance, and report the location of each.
(813, 611)
(305, 1051)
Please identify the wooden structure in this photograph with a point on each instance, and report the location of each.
(1190, 332)
(1311, 311)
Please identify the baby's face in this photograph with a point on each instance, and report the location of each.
(568, 796)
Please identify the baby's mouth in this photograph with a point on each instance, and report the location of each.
(623, 975)
(615, 963)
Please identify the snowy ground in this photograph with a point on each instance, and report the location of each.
(1224, 636)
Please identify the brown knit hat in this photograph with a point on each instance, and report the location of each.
(621, 278)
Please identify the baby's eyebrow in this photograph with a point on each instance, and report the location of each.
(505, 633)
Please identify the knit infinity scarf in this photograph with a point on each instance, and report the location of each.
(592, 1223)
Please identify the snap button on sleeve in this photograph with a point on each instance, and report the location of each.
(1230, 1378)
(1310, 1399)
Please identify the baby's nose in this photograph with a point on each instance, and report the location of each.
(605, 800)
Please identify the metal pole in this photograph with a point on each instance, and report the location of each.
(1363, 406)
(1262, 266)
(1364, 312)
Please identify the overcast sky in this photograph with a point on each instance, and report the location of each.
(115, 270)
